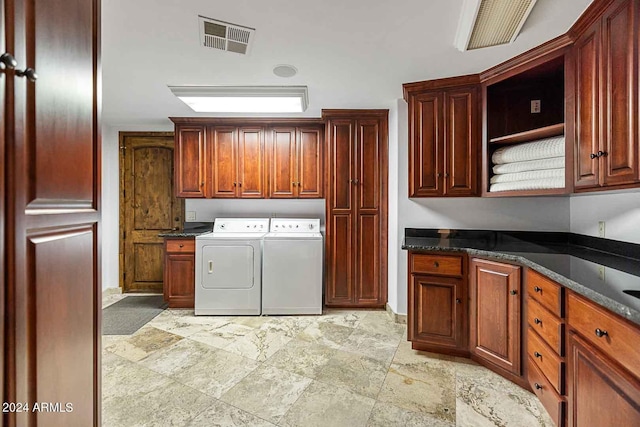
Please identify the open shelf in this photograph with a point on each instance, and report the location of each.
(530, 135)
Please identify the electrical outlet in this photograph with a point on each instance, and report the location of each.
(535, 106)
(601, 272)
(190, 216)
(600, 228)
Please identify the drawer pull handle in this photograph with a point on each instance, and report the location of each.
(593, 155)
(436, 264)
(537, 289)
(537, 321)
(210, 267)
(600, 333)
(513, 292)
(536, 354)
(537, 386)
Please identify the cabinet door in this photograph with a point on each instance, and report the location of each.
(310, 183)
(587, 109)
(367, 193)
(600, 393)
(495, 313)
(250, 182)
(179, 279)
(190, 161)
(619, 93)
(461, 142)
(223, 150)
(340, 233)
(426, 133)
(282, 163)
(437, 315)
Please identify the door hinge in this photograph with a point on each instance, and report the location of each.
(124, 235)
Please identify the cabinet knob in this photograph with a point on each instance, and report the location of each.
(438, 175)
(239, 184)
(537, 321)
(8, 60)
(600, 333)
(202, 184)
(513, 292)
(181, 245)
(536, 354)
(293, 183)
(537, 289)
(537, 386)
(458, 301)
(601, 153)
(436, 264)
(235, 184)
(29, 73)
(446, 175)
(593, 155)
(356, 182)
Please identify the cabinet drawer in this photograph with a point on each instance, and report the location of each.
(553, 403)
(181, 245)
(548, 326)
(436, 264)
(615, 337)
(545, 291)
(546, 360)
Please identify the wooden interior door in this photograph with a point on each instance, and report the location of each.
(282, 163)
(340, 239)
(148, 207)
(366, 184)
(495, 313)
(53, 325)
(426, 145)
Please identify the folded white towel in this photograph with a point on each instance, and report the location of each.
(530, 165)
(542, 149)
(531, 184)
(527, 175)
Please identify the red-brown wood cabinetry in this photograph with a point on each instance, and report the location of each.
(190, 168)
(179, 272)
(356, 244)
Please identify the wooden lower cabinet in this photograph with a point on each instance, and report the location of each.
(495, 314)
(179, 272)
(438, 314)
(600, 392)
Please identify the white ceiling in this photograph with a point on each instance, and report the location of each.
(350, 53)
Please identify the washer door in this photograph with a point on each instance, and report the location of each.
(228, 267)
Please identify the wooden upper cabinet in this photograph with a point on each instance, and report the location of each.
(250, 172)
(606, 61)
(295, 164)
(461, 147)
(223, 150)
(190, 161)
(495, 313)
(444, 130)
(425, 144)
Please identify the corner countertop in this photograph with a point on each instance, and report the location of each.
(190, 229)
(604, 271)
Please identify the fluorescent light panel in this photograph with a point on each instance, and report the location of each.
(243, 99)
(485, 23)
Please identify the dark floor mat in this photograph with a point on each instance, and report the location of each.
(130, 314)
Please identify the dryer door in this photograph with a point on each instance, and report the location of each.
(228, 266)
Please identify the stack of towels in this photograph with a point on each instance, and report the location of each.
(531, 166)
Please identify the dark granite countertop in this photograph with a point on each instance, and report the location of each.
(605, 271)
(190, 229)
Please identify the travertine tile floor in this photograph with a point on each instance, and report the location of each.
(344, 368)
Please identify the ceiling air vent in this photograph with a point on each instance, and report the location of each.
(225, 36)
(485, 23)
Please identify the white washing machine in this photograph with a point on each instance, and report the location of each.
(292, 267)
(229, 267)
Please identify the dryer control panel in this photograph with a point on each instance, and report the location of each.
(293, 225)
(241, 225)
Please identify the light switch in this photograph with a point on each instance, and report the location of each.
(535, 106)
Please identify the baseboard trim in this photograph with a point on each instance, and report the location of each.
(398, 318)
(111, 291)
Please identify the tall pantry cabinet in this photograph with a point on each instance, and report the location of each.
(356, 192)
(50, 294)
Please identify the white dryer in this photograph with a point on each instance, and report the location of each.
(229, 267)
(292, 267)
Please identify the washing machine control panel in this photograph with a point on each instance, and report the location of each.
(290, 225)
(241, 225)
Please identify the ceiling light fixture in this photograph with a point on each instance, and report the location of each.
(243, 99)
(485, 23)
